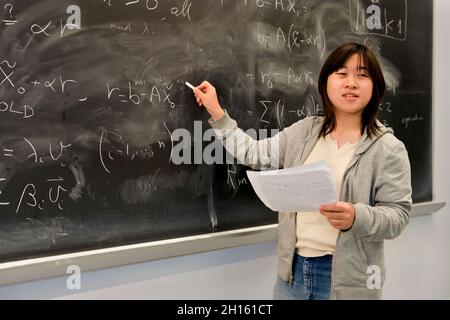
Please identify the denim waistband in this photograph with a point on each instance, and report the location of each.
(325, 258)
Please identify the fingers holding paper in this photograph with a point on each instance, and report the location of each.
(341, 215)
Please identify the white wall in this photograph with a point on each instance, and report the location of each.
(418, 261)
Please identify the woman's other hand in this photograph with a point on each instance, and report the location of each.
(341, 215)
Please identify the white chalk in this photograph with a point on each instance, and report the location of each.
(190, 85)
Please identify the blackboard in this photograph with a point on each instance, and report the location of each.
(92, 90)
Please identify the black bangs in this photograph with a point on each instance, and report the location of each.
(345, 56)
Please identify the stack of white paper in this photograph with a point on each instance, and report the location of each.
(302, 188)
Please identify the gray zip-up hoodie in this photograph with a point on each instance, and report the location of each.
(377, 182)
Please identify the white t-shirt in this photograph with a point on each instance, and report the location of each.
(315, 235)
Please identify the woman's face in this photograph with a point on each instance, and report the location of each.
(350, 88)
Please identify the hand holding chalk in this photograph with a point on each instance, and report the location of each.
(206, 95)
(193, 88)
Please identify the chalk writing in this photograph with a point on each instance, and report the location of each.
(149, 4)
(184, 11)
(9, 21)
(29, 195)
(7, 77)
(25, 110)
(108, 151)
(54, 155)
(296, 38)
(407, 120)
(3, 202)
(291, 77)
(156, 94)
(291, 7)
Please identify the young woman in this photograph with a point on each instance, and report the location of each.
(337, 252)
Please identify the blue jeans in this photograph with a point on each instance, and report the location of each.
(312, 280)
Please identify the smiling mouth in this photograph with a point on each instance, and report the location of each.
(350, 95)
